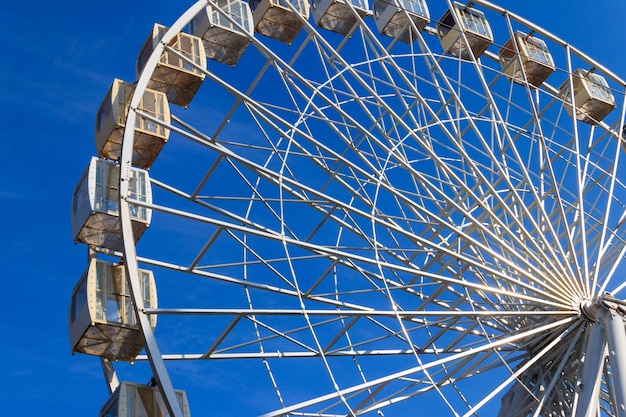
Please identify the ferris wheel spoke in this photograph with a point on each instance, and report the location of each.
(612, 270)
(382, 382)
(527, 366)
(507, 137)
(332, 253)
(456, 330)
(521, 165)
(526, 169)
(308, 190)
(604, 255)
(523, 228)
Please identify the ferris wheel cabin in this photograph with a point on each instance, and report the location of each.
(102, 317)
(592, 96)
(462, 23)
(225, 30)
(179, 78)
(111, 120)
(400, 18)
(339, 16)
(525, 58)
(136, 400)
(279, 19)
(95, 214)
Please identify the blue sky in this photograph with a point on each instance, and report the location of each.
(59, 58)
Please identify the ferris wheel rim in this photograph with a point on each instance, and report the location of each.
(125, 162)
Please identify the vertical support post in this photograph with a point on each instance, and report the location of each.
(587, 401)
(110, 375)
(616, 339)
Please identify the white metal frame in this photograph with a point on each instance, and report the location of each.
(491, 260)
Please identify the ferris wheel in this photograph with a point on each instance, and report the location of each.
(383, 208)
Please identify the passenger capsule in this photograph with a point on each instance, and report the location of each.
(102, 315)
(279, 19)
(525, 57)
(180, 70)
(395, 18)
(460, 23)
(592, 97)
(95, 212)
(225, 30)
(136, 400)
(150, 135)
(339, 16)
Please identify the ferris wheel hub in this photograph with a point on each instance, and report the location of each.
(590, 308)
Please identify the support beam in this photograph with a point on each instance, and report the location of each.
(613, 323)
(110, 375)
(587, 399)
